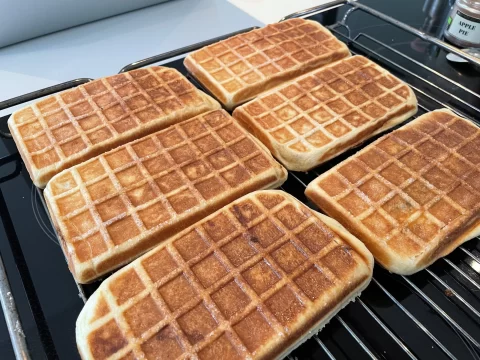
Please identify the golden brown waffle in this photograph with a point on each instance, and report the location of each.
(324, 113)
(239, 68)
(112, 208)
(67, 128)
(252, 281)
(412, 196)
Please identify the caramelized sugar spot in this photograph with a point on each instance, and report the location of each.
(239, 250)
(219, 227)
(265, 233)
(164, 345)
(245, 211)
(197, 323)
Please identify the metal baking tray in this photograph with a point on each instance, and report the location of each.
(432, 314)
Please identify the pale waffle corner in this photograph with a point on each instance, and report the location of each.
(237, 69)
(413, 195)
(72, 126)
(114, 207)
(251, 281)
(318, 116)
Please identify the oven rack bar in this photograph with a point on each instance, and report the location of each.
(415, 289)
(426, 299)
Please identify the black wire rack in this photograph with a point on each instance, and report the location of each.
(434, 313)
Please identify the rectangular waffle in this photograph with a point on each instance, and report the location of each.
(114, 207)
(320, 115)
(67, 128)
(237, 69)
(413, 195)
(252, 281)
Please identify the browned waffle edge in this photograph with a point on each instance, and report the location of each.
(331, 211)
(348, 294)
(140, 248)
(204, 80)
(40, 177)
(393, 263)
(251, 91)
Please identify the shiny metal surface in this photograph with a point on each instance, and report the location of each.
(357, 5)
(14, 325)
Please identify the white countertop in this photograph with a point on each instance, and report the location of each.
(103, 47)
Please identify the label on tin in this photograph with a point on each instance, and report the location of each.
(464, 27)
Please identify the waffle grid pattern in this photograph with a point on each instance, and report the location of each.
(141, 186)
(62, 125)
(414, 186)
(256, 56)
(225, 290)
(317, 109)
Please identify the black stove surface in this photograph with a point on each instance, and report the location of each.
(432, 314)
